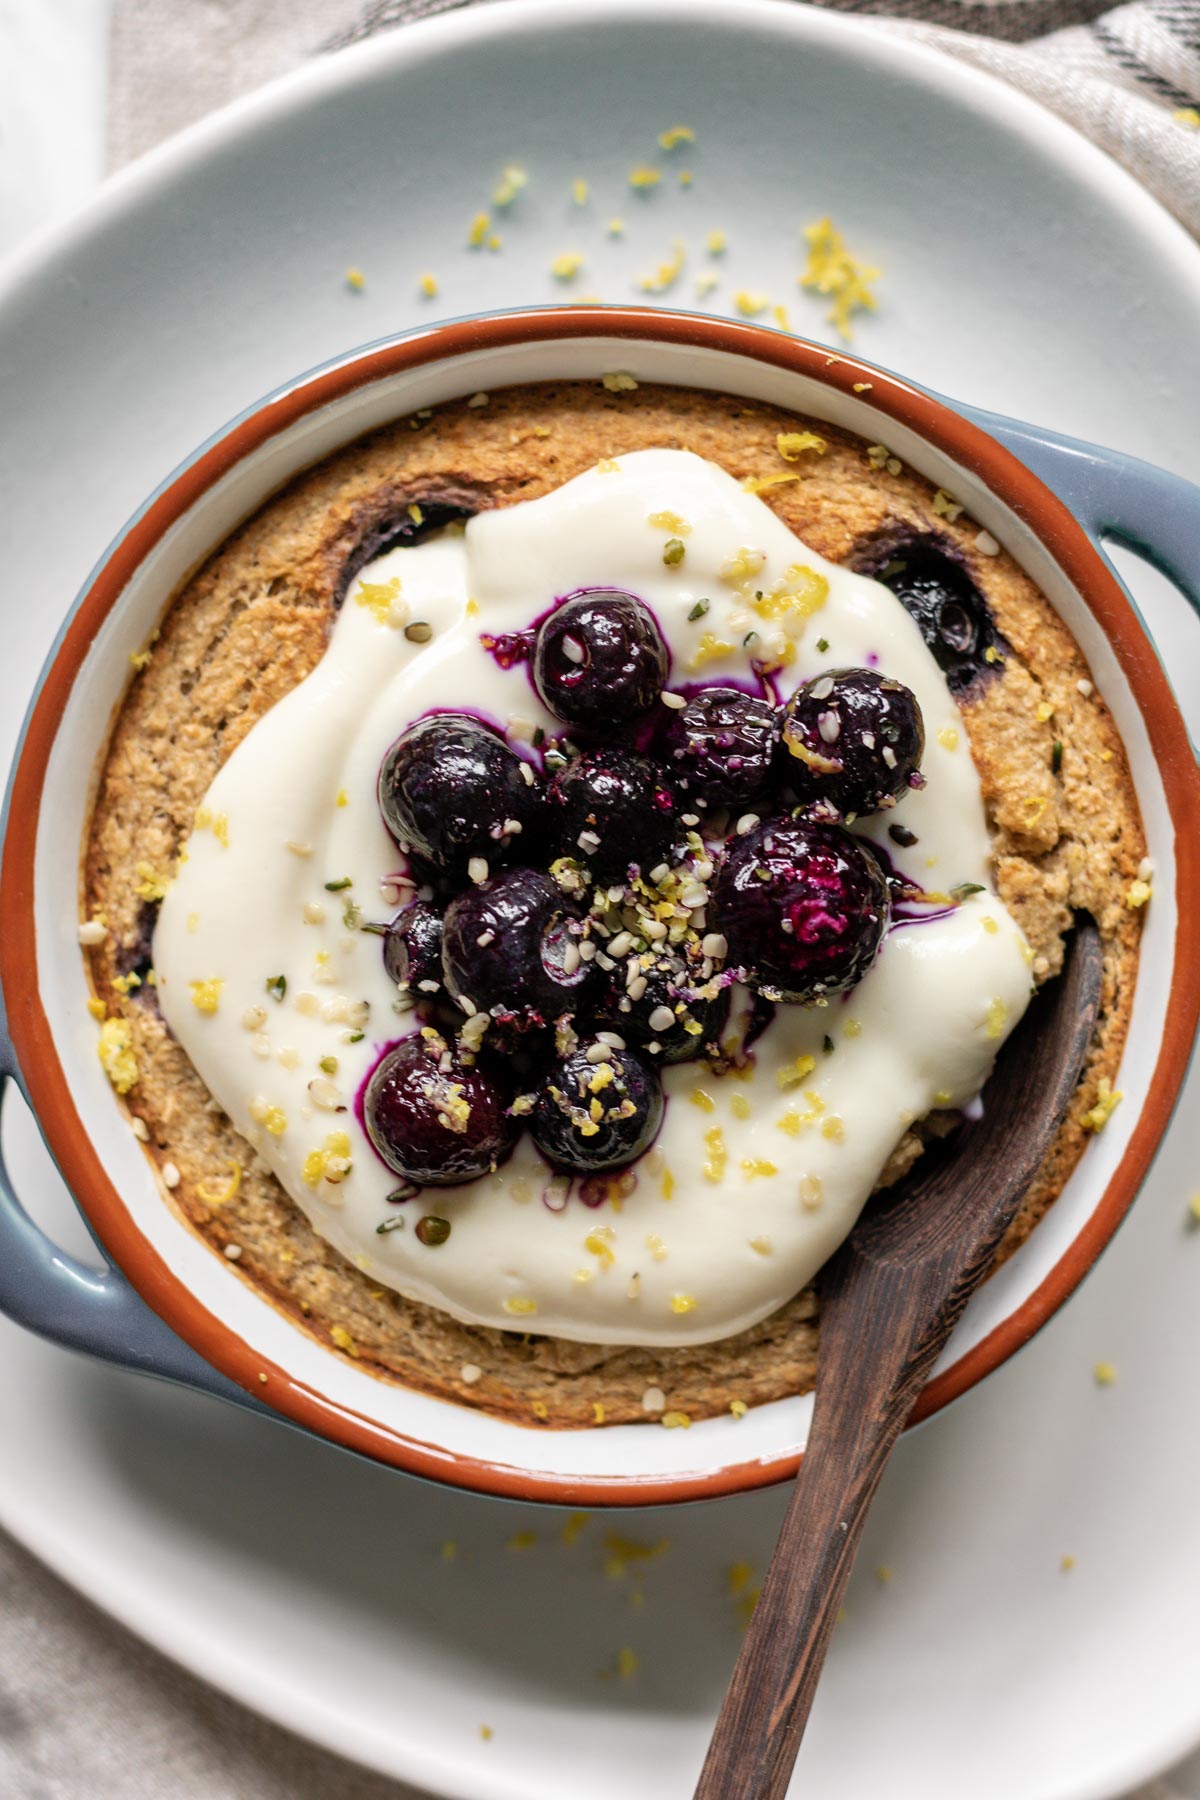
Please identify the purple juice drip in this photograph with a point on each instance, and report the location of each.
(902, 888)
(508, 648)
(762, 1014)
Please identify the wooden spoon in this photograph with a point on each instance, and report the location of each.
(889, 1299)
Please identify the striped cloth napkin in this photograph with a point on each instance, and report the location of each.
(1129, 78)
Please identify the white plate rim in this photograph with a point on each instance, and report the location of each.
(155, 1622)
(122, 191)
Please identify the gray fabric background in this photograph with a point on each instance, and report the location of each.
(1119, 76)
(86, 1711)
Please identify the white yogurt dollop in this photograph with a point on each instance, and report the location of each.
(754, 1181)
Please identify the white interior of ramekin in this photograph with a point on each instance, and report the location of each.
(633, 1452)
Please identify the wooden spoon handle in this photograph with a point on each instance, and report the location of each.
(767, 1704)
(889, 1299)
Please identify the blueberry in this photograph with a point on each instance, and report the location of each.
(412, 947)
(719, 747)
(952, 615)
(600, 660)
(512, 944)
(451, 789)
(591, 1116)
(416, 520)
(614, 808)
(434, 1120)
(853, 738)
(693, 1024)
(802, 906)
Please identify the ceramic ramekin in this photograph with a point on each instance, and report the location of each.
(165, 1304)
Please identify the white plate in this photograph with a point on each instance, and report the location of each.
(1023, 271)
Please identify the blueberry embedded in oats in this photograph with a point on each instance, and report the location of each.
(611, 809)
(451, 790)
(952, 615)
(412, 948)
(432, 1119)
(803, 908)
(600, 661)
(719, 748)
(852, 738)
(597, 1109)
(418, 521)
(512, 944)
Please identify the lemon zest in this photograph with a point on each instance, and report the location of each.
(997, 1018)
(222, 1196)
(832, 271)
(512, 179)
(668, 271)
(758, 484)
(379, 598)
(708, 650)
(1107, 1100)
(149, 885)
(792, 445)
(793, 1073)
(115, 1050)
(718, 1155)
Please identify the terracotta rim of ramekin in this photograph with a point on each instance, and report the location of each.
(1006, 477)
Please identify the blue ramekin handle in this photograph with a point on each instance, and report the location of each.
(1113, 496)
(53, 1294)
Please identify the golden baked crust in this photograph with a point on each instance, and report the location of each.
(255, 620)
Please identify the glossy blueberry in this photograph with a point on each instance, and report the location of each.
(853, 738)
(719, 748)
(451, 789)
(591, 1116)
(600, 660)
(434, 1120)
(412, 948)
(611, 808)
(507, 944)
(694, 1024)
(803, 908)
(951, 613)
